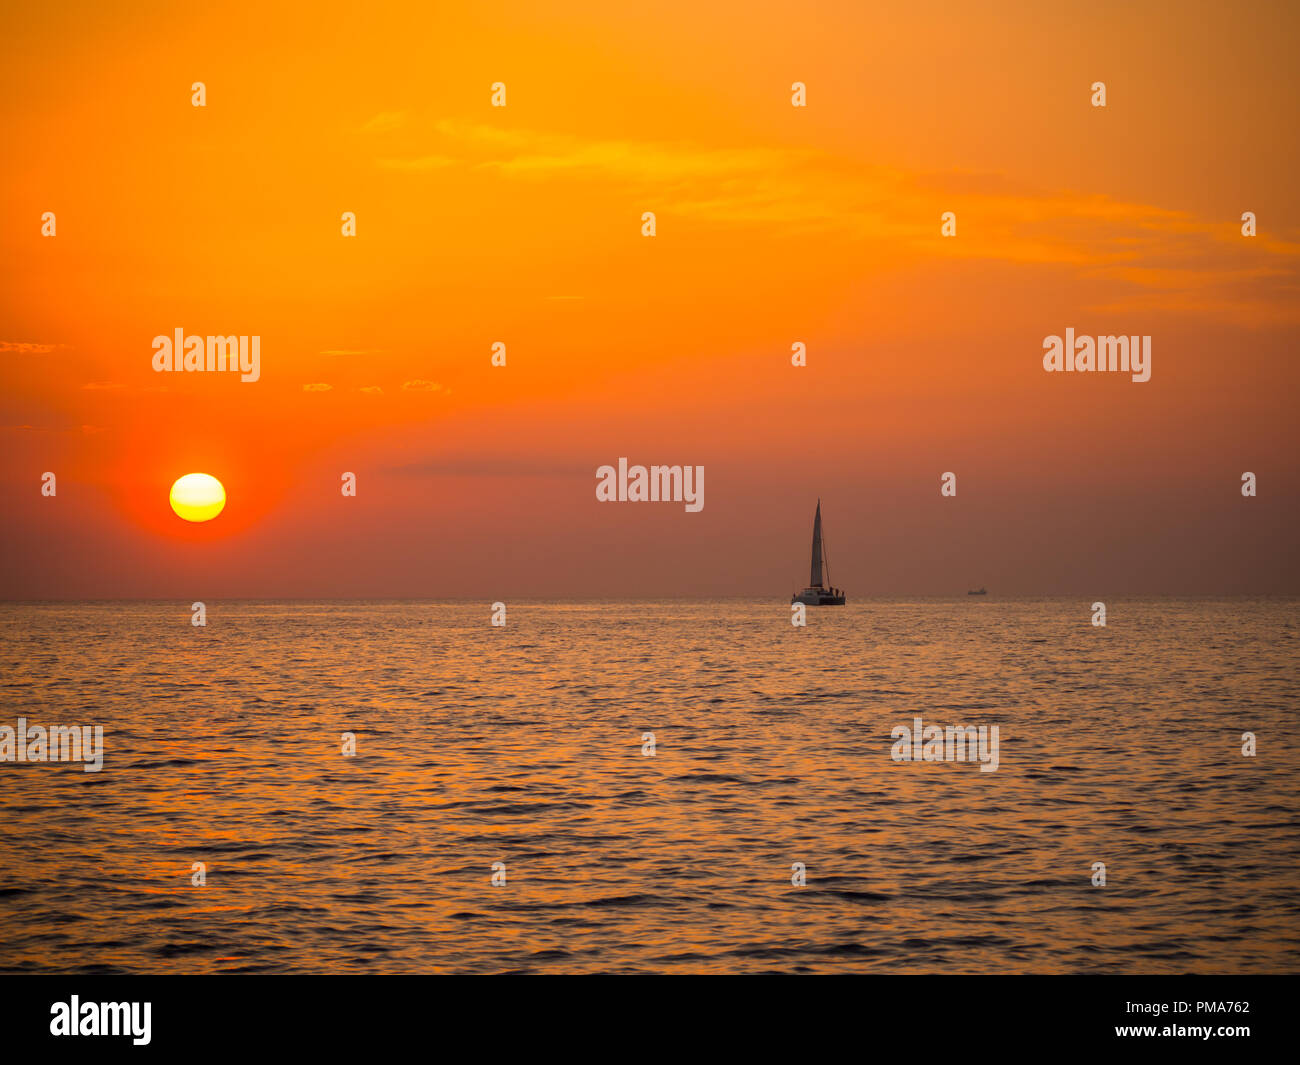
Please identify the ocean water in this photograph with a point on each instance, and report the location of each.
(523, 745)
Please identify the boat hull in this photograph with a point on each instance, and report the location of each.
(817, 597)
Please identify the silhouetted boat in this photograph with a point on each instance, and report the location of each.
(978, 591)
(818, 593)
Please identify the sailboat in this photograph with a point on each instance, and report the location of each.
(818, 593)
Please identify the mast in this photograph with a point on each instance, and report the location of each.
(816, 581)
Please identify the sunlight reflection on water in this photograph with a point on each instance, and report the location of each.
(523, 745)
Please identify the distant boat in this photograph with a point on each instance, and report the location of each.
(819, 593)
(978, 591)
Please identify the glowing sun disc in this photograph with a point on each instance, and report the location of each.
(198, 497)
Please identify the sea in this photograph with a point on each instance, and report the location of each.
(653, 787)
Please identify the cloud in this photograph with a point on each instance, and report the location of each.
(318, 386)
(1160, 254)
(384, 122)
(371, 390)
(423, 162)
(27, 427)
(22, 348)
(464, 465)
(797, 189)
(421, 385)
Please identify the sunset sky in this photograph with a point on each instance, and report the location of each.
(775, 224)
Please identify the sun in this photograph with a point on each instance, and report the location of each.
(198, 497)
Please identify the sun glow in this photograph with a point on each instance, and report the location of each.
(198, 497)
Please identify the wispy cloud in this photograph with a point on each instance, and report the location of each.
(422, 162)
(1155, 251)
(464, 465)
(384, 122)
(23, 348)
(27, 427)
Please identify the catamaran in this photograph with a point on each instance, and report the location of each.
(818, 593)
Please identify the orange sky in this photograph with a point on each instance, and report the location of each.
(775, 224)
